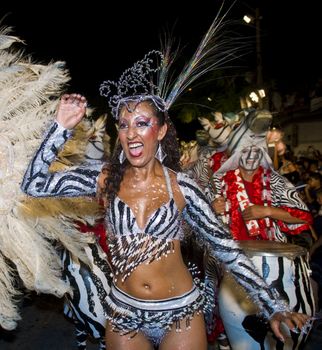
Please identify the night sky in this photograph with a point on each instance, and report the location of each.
(98, 44)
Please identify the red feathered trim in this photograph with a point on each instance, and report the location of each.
(98, 230)
(237, 224)
(218, 159)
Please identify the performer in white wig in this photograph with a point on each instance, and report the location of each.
(261, 208)
(153, 295)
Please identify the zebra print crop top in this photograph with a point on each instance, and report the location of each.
(131, 246)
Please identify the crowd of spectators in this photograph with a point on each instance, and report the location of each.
(309, 99)
(306, 174)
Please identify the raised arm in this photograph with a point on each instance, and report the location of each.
(199, 214)
(38, 181)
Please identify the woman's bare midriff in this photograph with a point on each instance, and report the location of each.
(161, 279)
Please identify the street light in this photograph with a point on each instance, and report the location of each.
(248, 19)
(260, 94)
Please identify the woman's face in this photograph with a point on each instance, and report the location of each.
(250, 158)
(139, 133)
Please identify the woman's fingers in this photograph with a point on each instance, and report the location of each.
(296, 322)
(71, 110)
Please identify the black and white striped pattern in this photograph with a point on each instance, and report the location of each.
(289, 276)
(200, 170)
(252, 128)
(284, 193)
(77, 181)
(162, 224)
(199, 214)
(219, 135)
(213, 274)
(131, 245)
(90, 286)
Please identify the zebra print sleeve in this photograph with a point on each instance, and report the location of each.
(208, 228)
(285, 196)
(76, 181)
(285, 193)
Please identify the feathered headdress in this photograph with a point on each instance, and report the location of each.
(149, 78)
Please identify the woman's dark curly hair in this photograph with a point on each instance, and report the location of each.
(169, 145)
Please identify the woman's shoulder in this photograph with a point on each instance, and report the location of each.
(185, 188)
(184, 182)
(179, 176)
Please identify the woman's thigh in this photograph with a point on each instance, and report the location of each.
(116, 341)
(193, 338)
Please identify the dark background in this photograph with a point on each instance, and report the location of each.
(100, 39)
(99, 43)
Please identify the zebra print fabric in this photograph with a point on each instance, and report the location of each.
(197, 212)
(210, 231)
(154, 240)
(90, 286)
(200, 170)
(77, 181)
(289, 275)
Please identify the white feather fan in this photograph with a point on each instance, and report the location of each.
(29, 228)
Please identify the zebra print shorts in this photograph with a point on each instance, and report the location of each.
(153, 318)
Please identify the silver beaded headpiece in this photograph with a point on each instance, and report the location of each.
(136, 84)
(149, 77)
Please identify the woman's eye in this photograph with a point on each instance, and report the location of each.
(142, 124)
(122, 126)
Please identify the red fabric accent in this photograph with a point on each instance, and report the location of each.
(218, 158)
(254, 190)
(250, 189)
(99, 231)
(237, 225)
(300, 214)
(218, 125)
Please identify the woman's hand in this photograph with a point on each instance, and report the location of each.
(71, 110)
(296, 322)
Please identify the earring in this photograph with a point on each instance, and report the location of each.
(160, 154)
(122, 157)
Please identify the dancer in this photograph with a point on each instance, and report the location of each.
(149, 192)
(154, 299)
